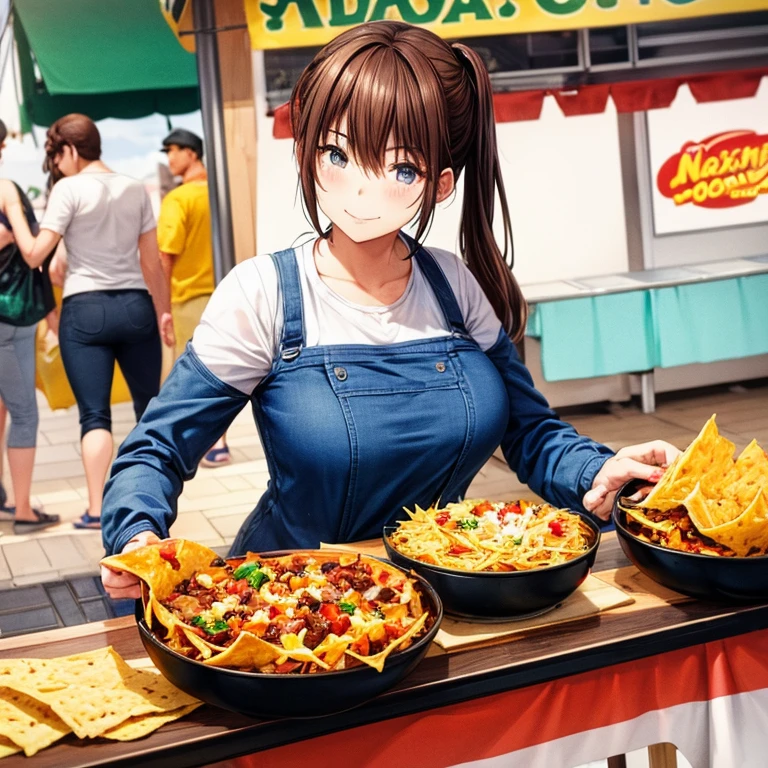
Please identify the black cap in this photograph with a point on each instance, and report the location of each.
(181, 137)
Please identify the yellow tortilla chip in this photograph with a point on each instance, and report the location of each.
(142, 725)
(29, 722)
(709, 512)
(377, 661)
(101, 668)
(332, 648)
(708, 460)
(296, 650)
(160, 573)
(247, 651)
(748, 532)
(89, 712)
(749, 473)
(7, 747)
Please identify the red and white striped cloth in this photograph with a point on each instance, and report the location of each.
(710, 700)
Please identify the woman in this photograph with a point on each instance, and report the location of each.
(17, 397)
(113, 301)
(381, 374)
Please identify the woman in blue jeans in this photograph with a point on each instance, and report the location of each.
(114, 300)
(17, 397)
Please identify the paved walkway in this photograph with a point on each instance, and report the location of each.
(216, 501)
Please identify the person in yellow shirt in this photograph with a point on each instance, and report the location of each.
(186, 252)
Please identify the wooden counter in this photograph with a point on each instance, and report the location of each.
(650, 626)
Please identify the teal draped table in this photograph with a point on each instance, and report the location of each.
(654, 328)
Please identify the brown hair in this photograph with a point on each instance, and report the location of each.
(74, 130)
(390, 78)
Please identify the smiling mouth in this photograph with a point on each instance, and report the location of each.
(360, 218)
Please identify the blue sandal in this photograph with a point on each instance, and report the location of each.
(86, 521)
(216, 457)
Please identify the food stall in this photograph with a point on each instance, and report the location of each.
(663, 669)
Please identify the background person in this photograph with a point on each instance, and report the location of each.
(108, 314)
(382, 374)
(17, 387)
(186, 252)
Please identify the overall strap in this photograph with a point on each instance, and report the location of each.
(442, 289)
(292, 339)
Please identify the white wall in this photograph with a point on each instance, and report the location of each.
(563, 184)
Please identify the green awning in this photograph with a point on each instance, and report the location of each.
(105, 58)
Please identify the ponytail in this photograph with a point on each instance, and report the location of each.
(482, 180)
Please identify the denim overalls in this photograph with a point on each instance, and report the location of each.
(352, 433)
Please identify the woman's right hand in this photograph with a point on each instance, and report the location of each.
(120, 585)
(165, 324)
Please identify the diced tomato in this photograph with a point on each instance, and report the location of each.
(556, 527)
(168, 552)
(458, 549)
(362, 646)
(331, 611)
(482, 508)
(383, 577)
(393, 630)
(341, 625)
(442, 518)
(513, 509)
(237, 587)
(273, 612)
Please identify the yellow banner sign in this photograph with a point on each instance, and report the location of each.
(295, 23)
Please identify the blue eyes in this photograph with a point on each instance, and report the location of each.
(405, 173)
(337, 157)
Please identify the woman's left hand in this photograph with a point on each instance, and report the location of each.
(646, 461)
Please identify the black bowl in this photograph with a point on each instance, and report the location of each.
(494, 595)
(274, 695)
(730, 579)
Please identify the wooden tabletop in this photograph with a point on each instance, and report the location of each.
(655, 623)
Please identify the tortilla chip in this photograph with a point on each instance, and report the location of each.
(142, 725)
(377, 660)
(332, 648)
(28, 722)
(7, 747)
(749, 473)
(100, 668)
(247, 651)
(159, 573)
(708, 460)
(296, 650)
(89, 712)
(748, 532)
(709, 512)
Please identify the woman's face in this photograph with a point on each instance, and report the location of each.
(65, 161)
(367, 206)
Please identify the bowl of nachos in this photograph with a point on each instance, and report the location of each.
(295, 634)
(703, 528)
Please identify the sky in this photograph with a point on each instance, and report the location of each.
(128, 146)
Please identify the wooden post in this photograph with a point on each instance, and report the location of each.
(662, 756)
(235, 63)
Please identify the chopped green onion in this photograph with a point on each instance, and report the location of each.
(347, 607)
(245, 570)
(256, 578)
(468, 523)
